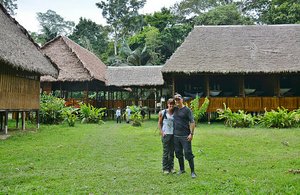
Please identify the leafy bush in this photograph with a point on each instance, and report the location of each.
(136, 116)
(51, 109)
(281, 118)
(70, 115)
(199, 112)
(90, 114)
(236, 119)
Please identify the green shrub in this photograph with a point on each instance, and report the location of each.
(281, 118)
(90, 114)
(70, 115)
(235, 119)
(136, 116)
(51, 109)
(199, 112)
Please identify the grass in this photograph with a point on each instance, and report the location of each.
(121, 159)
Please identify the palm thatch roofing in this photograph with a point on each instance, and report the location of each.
(238, 49)
(75, 62)
(131, 76)
(18, 50)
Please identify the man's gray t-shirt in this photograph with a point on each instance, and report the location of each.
(182, 119)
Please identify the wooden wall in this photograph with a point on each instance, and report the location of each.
(252, 104)
(18, 90)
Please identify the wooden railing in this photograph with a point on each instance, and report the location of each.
(249, 104)
(253, 104)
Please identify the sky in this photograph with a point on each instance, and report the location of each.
(72, 10)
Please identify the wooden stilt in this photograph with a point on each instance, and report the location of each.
(17, 119)
(6, 122)
(23, 120)
(37, 119)
(208, 117)
(1, 121)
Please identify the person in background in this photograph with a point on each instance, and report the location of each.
(184, 126)
(143, 113)
(118, 115)
(165, 125)
(128, 114)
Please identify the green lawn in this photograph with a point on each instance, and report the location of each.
(121, 159)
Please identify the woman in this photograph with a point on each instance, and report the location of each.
(165, 125)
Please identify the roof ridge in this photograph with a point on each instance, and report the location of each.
(66, 40)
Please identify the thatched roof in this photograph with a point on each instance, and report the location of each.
(75, 62)
(17, 49)
(238, 49)
(129, 76)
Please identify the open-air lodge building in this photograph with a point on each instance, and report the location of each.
(80, 71)
(246, 67)
(22, 63)
(112, 87)
(144, 86)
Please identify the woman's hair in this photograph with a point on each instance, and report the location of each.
(171, 101)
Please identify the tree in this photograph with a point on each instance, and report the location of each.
(122, 16)
(10, 6)
(196, 7)
(137, 57)
(274, 12)
(171, 38)
(91, 36)
(223, 15)
(161, 19)
(53, 25)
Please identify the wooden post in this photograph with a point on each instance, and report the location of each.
(6, 122)
(23, 120)
(173, 85)
(1, 121)
(155, 101)
(242, 86)
(37, 119)
(206, 81)
(17, 119)
(277, 86)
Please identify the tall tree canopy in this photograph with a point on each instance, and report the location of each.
(53, 25)
(122, 15)
(274, 11)
(91, 36)
(10, 6)
(223, 15)
(196, 7)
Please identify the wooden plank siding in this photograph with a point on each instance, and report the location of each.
(249, 104)
(289, 102)
(253, 104)
(18, 92)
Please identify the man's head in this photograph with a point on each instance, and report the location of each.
(178, 99)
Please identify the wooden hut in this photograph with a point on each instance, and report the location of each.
(247, 67)
(22, 63)
(80, 69)
(145, 83)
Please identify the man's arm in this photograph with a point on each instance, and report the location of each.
(192, 126)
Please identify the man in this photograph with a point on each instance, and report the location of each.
(184, 126)
(165, 125)
(118, 115)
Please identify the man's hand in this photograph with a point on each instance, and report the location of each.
(190, 137)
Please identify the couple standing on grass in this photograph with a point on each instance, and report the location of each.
(176, 125)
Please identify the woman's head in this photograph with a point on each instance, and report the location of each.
(171, 103)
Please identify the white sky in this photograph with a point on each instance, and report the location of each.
(72, 10)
